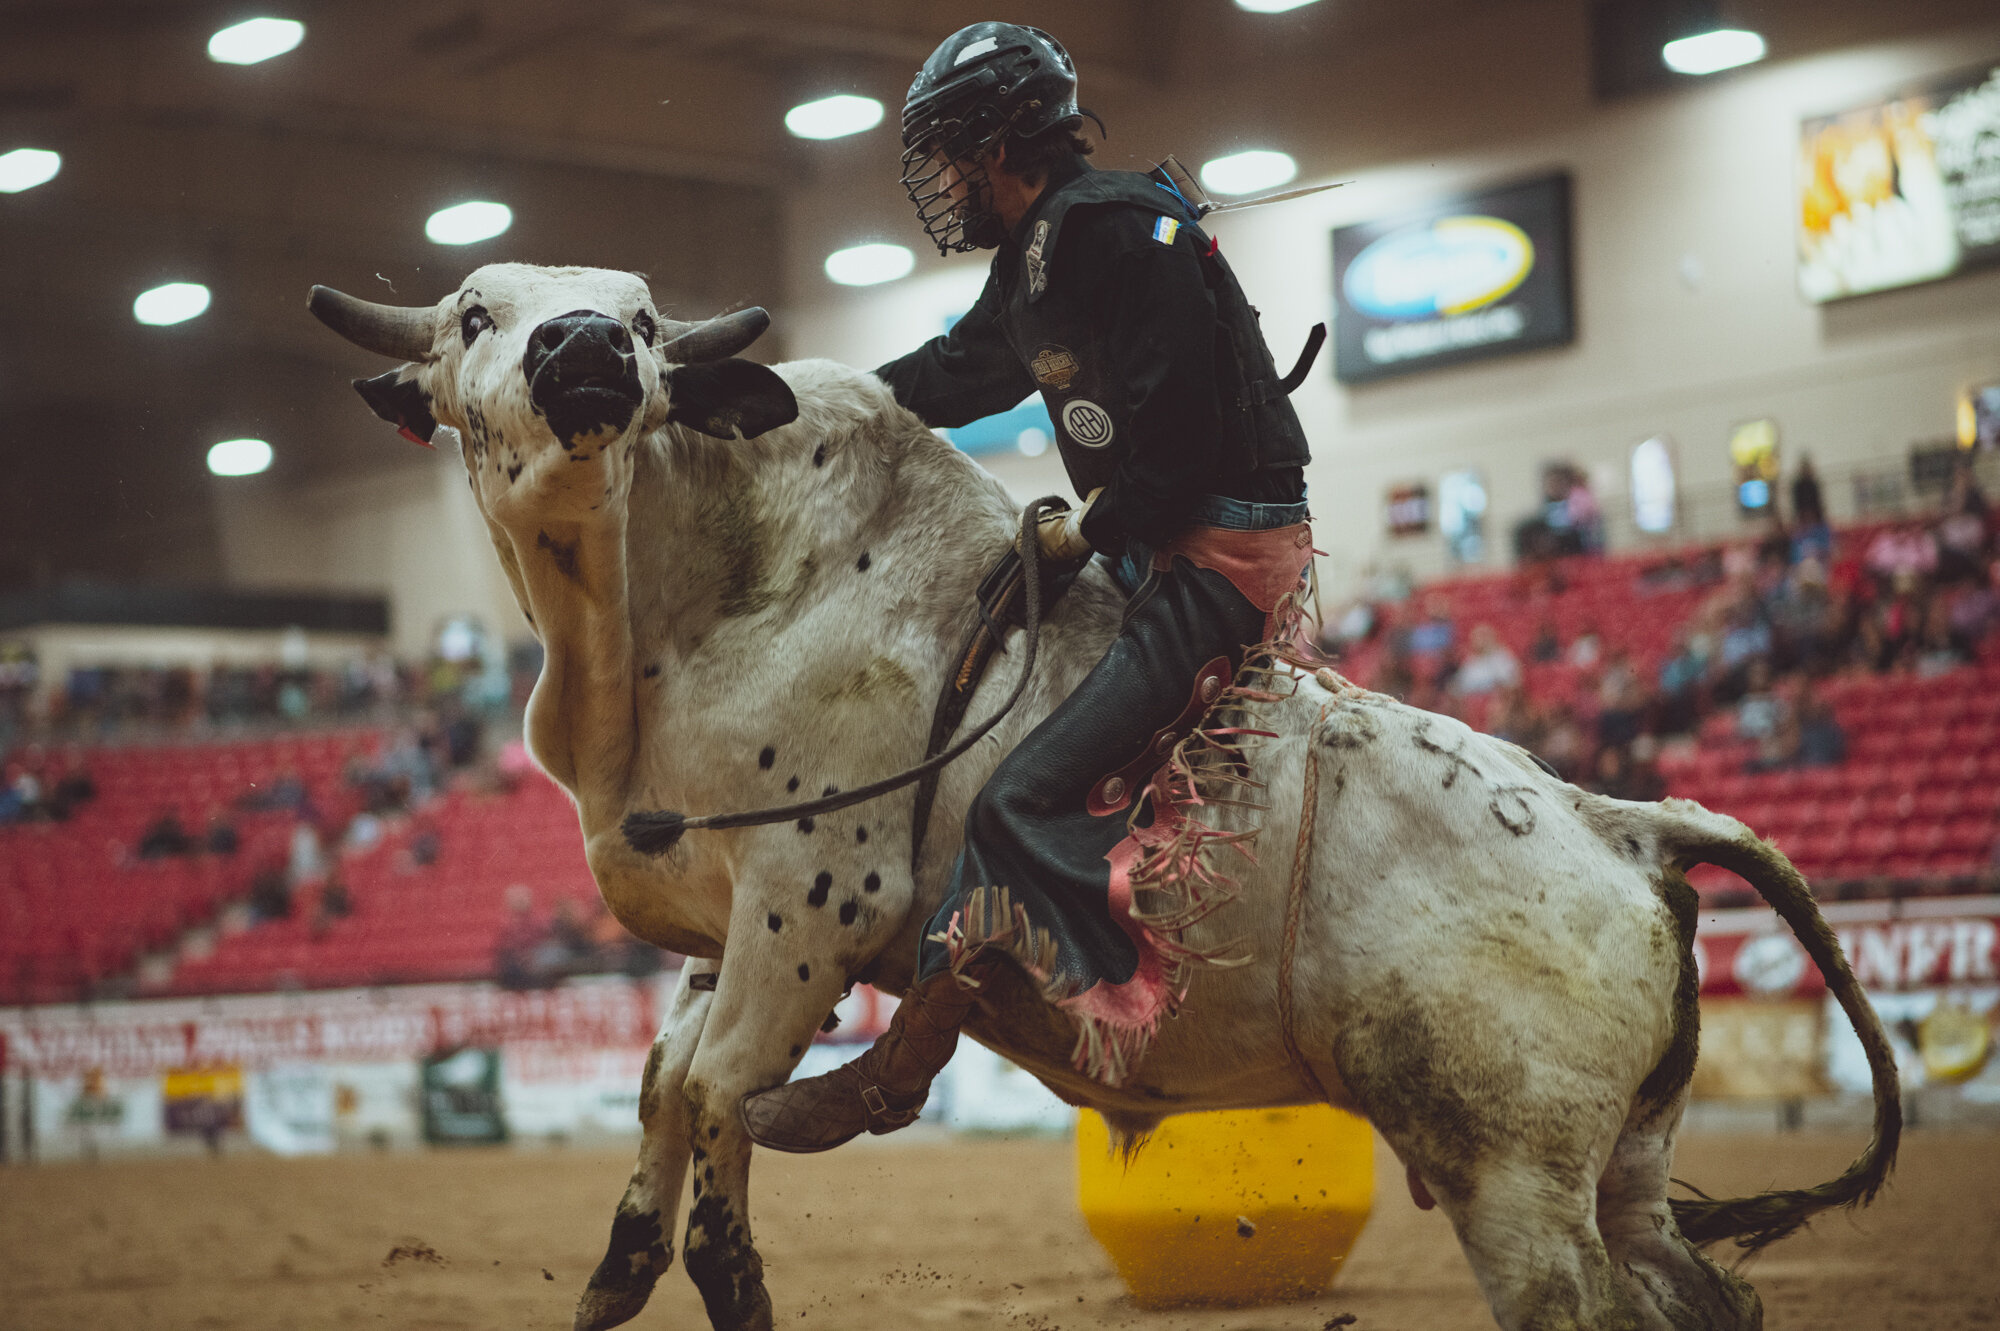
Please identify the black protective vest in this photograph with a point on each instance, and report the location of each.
(1056, 338)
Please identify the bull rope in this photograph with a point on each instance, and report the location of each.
(1294, 907)
(655, 832)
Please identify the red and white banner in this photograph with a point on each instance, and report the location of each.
(1892, 946)
(341, 1026)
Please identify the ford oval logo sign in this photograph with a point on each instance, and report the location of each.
(1437, 268)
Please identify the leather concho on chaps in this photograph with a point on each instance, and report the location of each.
(1051, 841)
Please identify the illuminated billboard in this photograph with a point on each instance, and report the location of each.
(1905, 189)
(1478, 275)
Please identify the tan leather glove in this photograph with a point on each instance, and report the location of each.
(1061, 534)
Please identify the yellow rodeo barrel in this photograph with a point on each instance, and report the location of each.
(1234, 1208)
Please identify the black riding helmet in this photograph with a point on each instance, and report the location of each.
(985, 81)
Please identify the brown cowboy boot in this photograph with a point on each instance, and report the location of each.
(878, 1092)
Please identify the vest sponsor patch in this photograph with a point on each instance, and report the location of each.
(1165, 230)
(1053, 367)
(1086, 422)
(1038, 276)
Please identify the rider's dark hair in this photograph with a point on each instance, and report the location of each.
(1030, 159)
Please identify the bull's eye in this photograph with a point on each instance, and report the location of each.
(642, 324)
(474, 322)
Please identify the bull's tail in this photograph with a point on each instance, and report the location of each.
(1694, 836)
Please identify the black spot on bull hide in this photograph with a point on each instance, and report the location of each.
(724, 1267)
(563, 553)
(821, 886)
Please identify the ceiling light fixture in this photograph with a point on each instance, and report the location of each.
(1271, 6)
(25, 168)
(1712, 52)
(468, 223)
(1247, 172)
(255, 39)
(174, 303)
(834, 117)
(865, 265)
(239, 457)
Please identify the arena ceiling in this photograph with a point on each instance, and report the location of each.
(642, 134)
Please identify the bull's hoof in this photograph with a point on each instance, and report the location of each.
(613, 1299)
(636, 1259)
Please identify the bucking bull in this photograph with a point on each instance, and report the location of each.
(750, 584)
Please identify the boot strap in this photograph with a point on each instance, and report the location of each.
(878, 1108)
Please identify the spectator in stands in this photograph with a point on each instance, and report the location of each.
(1681, 677)
(524, 955)
(270, 894)
(335, 903)
(1433, 635)
(424, 847)
(1565, 747)
(1901, 554)
(572, 939)
(1617, 774)
(1587, 650)
(1810, 534)
(165, 837)
(221, 837)
(306, 861)
(25, 796)
(364, 832)
(1821, 740)
(1937, 648)
(1546, 646)
(62, 794)
(1964, 529)
(1515, 719)
(1487, 667)
(286, 793)
(1746, 639)
(1622, 702)
(1761, 711)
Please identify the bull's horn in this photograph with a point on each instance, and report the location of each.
(401, 331)
(716, 338)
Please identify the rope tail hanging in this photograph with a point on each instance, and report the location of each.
(656, 832)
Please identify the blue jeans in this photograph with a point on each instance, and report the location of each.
(1131, 570)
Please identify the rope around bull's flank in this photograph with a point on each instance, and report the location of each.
(657, 832)
(1294, 904)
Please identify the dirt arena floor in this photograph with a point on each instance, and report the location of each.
(880, 1235)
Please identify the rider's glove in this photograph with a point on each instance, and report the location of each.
(1061, 533)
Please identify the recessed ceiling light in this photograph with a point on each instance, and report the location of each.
(176, 302)
(1245, 172)
(255, 39)
(1712, 52)
(1271, 6)
(25, 168)
(465, 223)
(834, 117)
(239, 457)
(865, 265)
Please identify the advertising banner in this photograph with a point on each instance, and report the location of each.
(1902, 190)
(1750, 953)
(288, 1110)
(462, 1098)
(203, 1102)
(340, 1026)
(552, 1090)
(88, 1112)
(1483, 274)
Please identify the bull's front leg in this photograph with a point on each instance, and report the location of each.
(781, 975)
(641, 1232)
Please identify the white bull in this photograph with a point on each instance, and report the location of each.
(1491, 965)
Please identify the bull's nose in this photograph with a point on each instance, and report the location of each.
(576, 350)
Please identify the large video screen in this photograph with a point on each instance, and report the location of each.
(1905, 189)
(1461, 279)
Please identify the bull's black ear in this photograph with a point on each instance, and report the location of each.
(402, 403)
(727, 398)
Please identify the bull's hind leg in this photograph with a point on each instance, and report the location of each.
(1674, 1284)
(1510, 1134)
(641, 1232)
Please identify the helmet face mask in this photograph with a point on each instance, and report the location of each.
(983, 83)
(953, 191)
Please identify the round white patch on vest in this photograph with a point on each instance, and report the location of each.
(1086, 422)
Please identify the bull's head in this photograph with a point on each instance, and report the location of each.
(538, 366)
